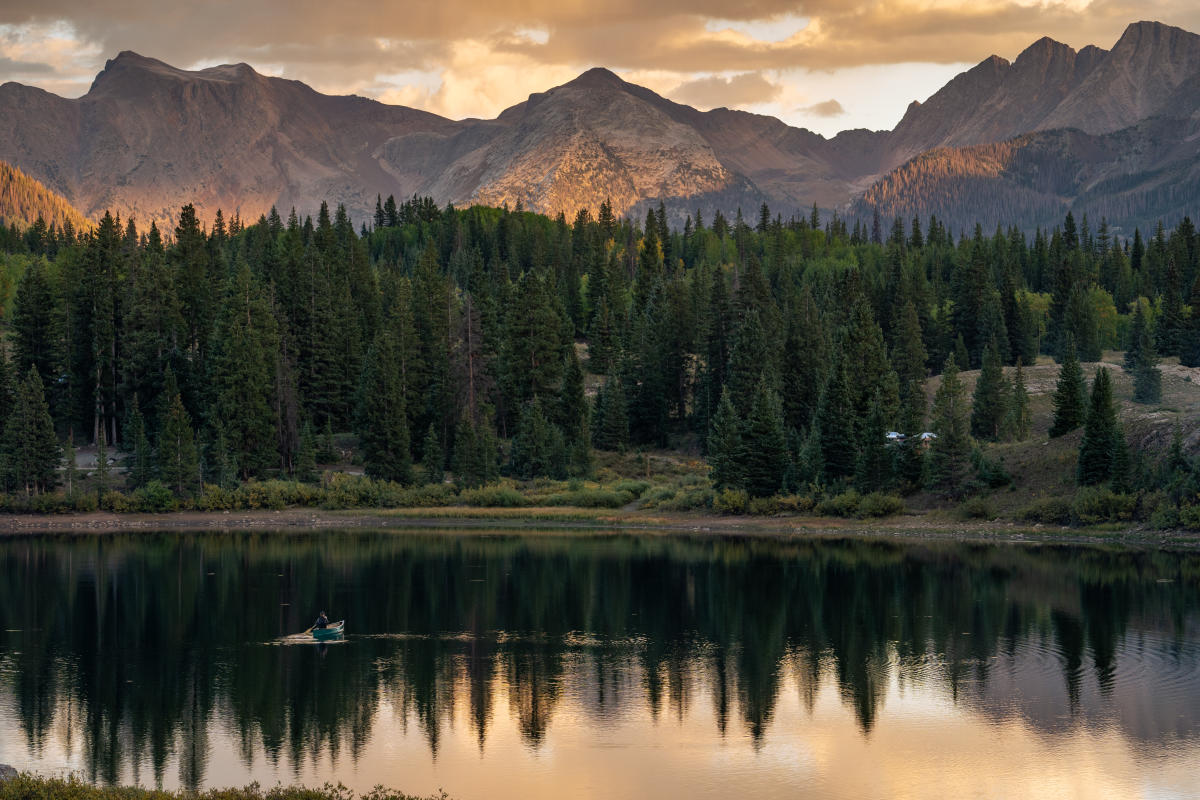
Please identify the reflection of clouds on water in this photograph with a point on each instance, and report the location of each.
(723, 664)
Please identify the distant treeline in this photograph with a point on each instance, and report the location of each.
(487, 340)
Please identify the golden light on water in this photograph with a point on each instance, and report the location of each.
(922, 744)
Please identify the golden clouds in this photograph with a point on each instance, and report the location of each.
(474, 58)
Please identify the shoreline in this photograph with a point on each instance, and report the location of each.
(482, 520)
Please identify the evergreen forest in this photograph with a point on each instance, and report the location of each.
(436, 345)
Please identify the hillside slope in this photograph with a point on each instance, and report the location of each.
(23, 200)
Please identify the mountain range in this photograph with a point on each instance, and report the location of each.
(1114, 133)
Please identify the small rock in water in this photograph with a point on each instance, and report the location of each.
(7, 772)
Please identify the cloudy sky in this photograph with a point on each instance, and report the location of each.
(824, 64)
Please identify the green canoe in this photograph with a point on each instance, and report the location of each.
(333, 631)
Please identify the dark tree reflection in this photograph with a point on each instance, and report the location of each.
(131, 649)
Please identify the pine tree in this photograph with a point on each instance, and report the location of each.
(836, 425)
(950, 452)
(1017, 419)
(433, 457)
(30, 450)
(990, 403)
(803, 363)
(762, 456)
(1142, 359)
(306, 457)
(610, 422)
(178, 459)
(908, 358)
(1139, 338)
(725, 445)
(244, 369)
(873, 470)
(1189, 335)
(382, 419)
(71, 473)
(1097, 450)
(538, 449)
(141, 466)
(962, 359)
(103, 469)
(1070, 395)
(34, 324)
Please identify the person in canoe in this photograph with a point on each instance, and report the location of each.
(322, 621)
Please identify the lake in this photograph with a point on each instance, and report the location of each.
(577, 664)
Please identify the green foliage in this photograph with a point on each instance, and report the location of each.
(493, 497)
(762, 452)
(1098, 449)
(731, 501)
(590, 498)
(1049, 511)
(383, 419)
(610, 422)
(725, 444)
(1094, 504)
(433, 458)
(1070, 394)
(29, 449)
(538, 449)
(989, 472)
(949, 452)
(1142, 360)
(152, 498)
(977, 508)
(178, 464)
(141, 463)
(991, 401)
(1018, 417)
(462, 320)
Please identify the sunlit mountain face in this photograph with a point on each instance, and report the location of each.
(505, 665)
(1106, 132)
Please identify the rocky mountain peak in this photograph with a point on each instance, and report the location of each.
(597, 78)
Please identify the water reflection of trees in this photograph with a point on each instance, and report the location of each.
(131, 647)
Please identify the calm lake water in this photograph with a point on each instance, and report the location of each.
(608, 666)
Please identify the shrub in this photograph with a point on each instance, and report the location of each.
(86, 502)
(1165, 516)
(590, 498)
(977, 508)
(765, 506)
(878, 504)
(153, 498)
(1048, 510)
(433, 495)
(840, 505)
(493, 497)
(690, 500)
(47, 503)
(657, 496)
(114, 501)
(731, 501)
(1100, 504)
(1189, 517)
(989, 471)
(214, 498)
(634, 487)
(797, 503)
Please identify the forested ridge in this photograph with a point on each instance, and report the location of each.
(28, 203)
(485, 341)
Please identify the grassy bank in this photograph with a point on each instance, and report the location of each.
(32, 787)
